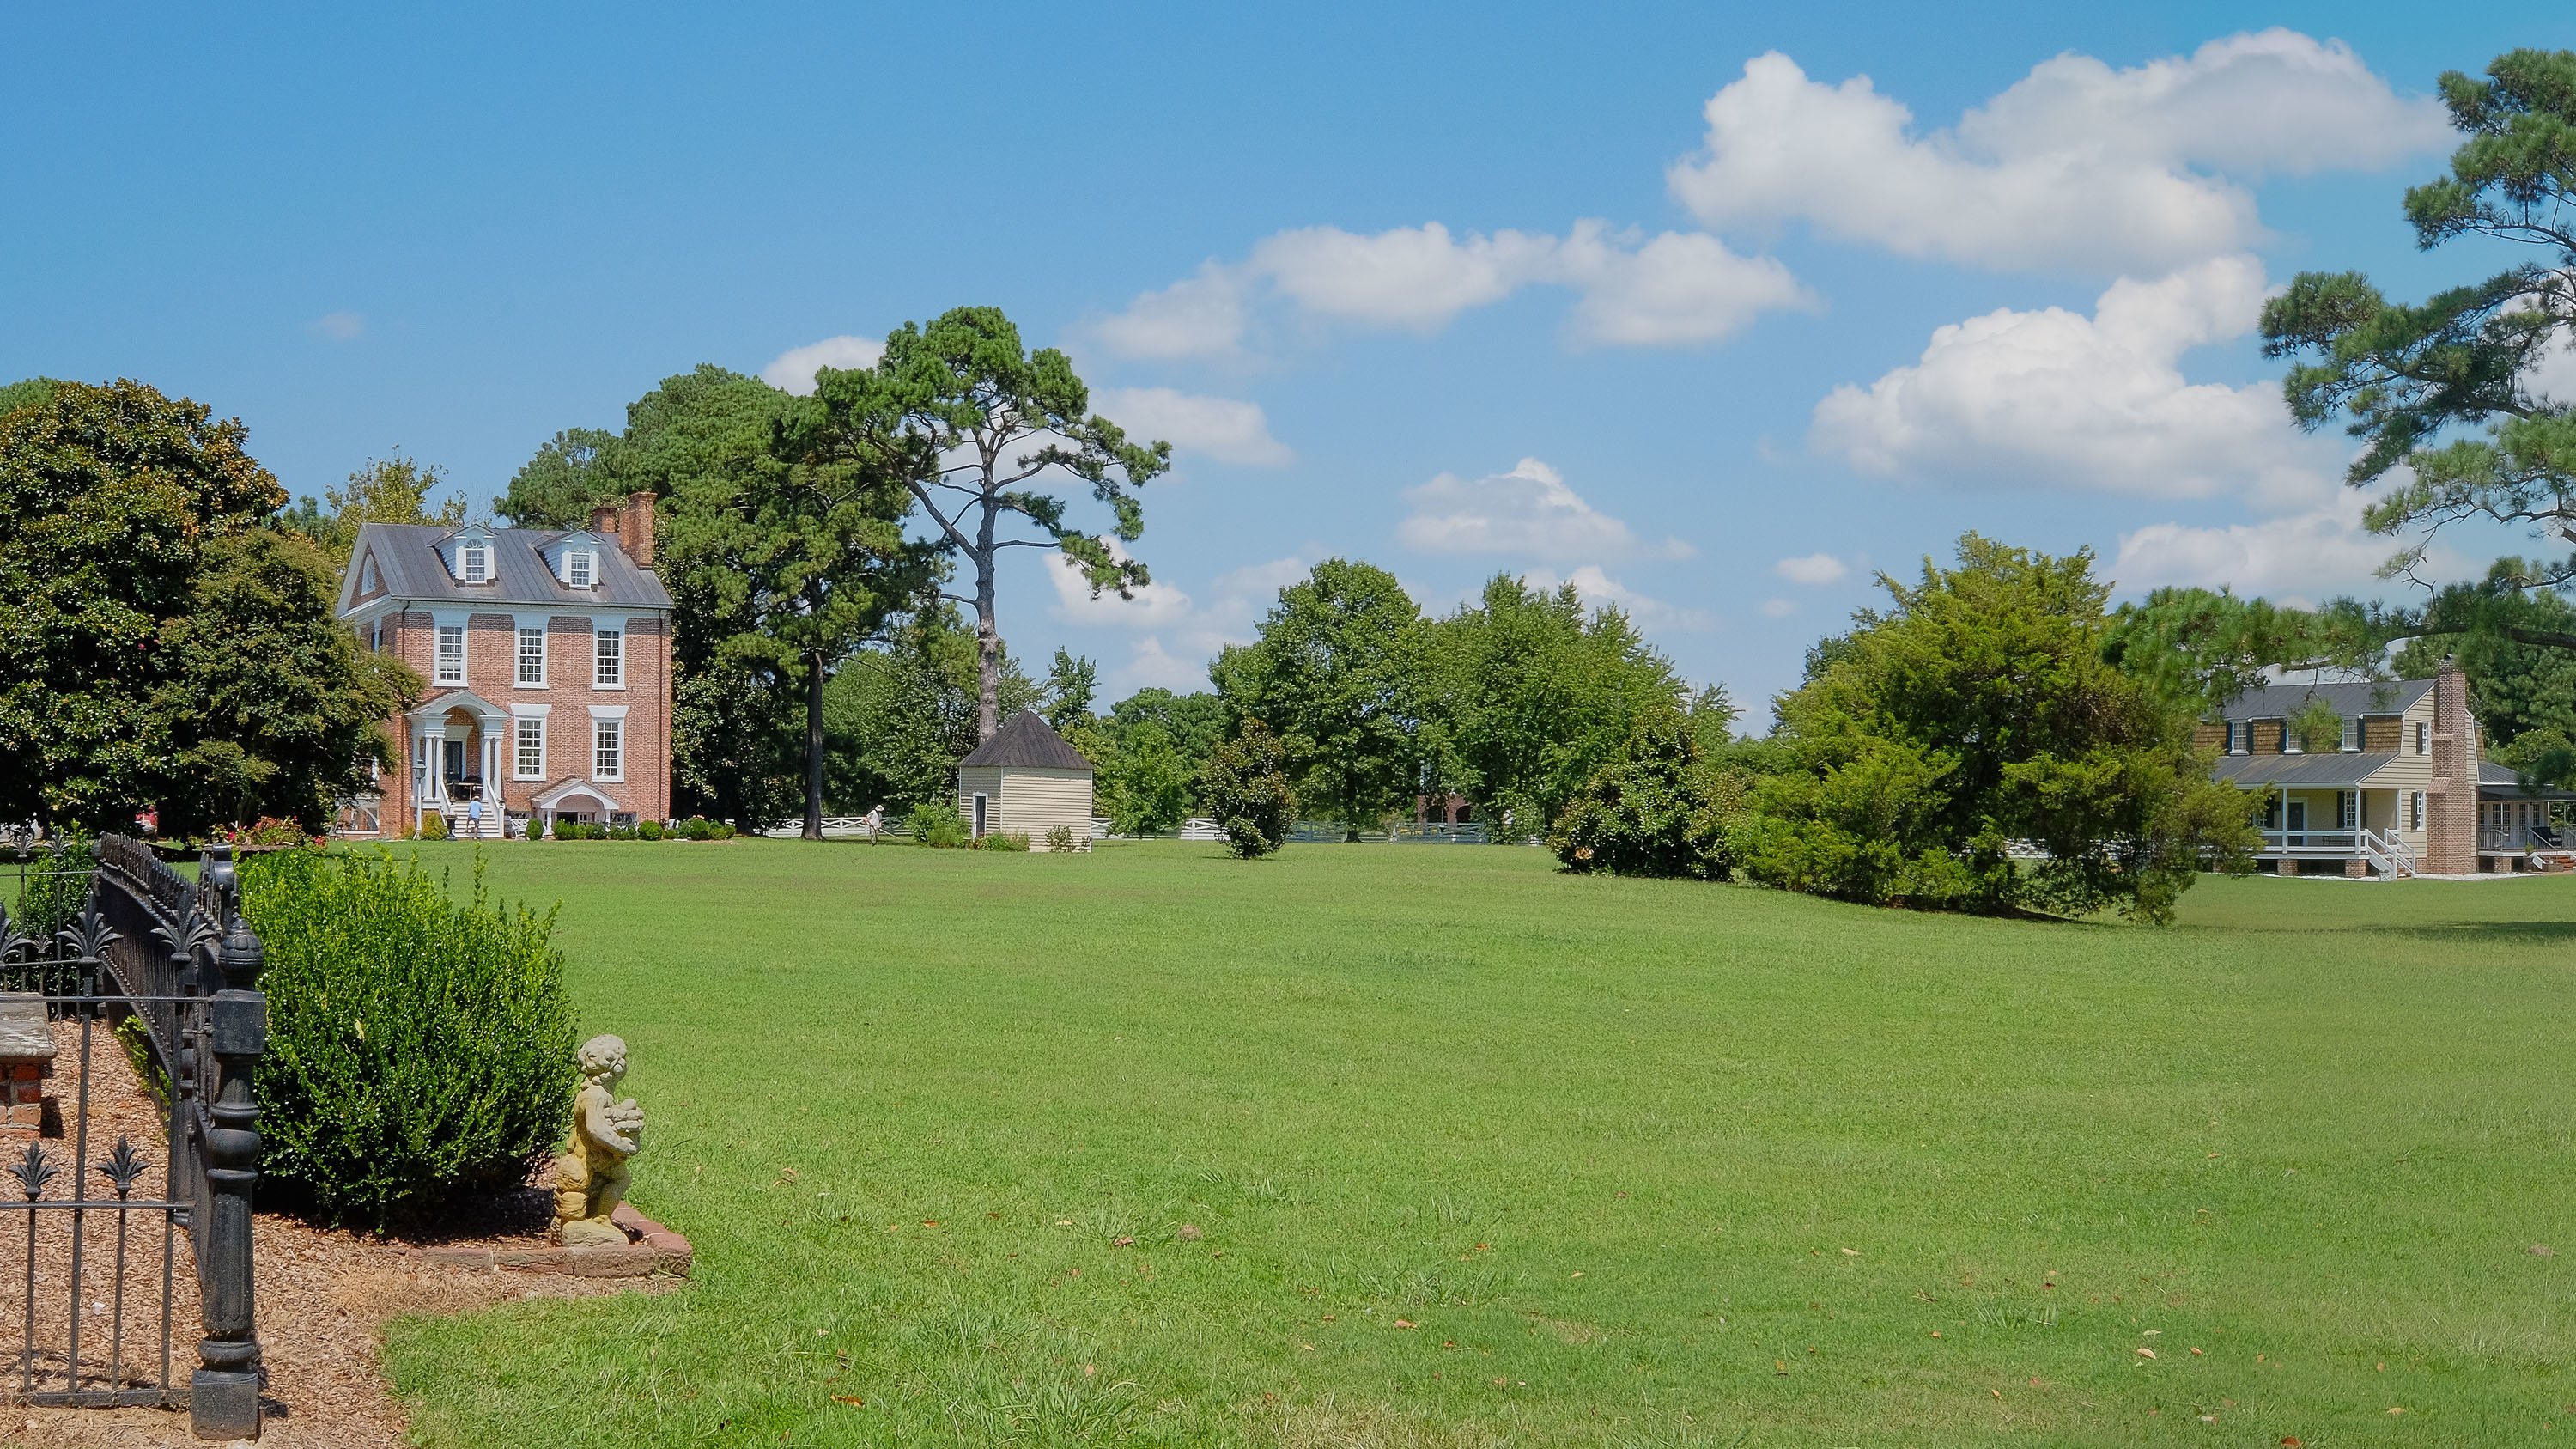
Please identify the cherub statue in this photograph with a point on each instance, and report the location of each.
(590, 1177)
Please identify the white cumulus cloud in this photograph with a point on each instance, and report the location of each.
(2055, 398)
(1184, 635)
(1530, 511)
(1146, 605)
(1226, 429)
(1674, 289)
(1197, 316)
(1814, 568)
(2076, 166)
(1631, 290)
(1412, 276)
(1597, 590)
(2304, 554)
(793, 370)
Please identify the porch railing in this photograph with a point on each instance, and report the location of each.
(2317, 842)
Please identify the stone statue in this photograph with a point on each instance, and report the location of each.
(590, 1177)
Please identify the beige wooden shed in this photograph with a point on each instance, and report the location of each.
(1026, 780)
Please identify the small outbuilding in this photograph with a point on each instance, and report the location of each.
(1026, 780)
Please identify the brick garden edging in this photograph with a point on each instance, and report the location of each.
(655, 1251)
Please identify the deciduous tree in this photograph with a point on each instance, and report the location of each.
(386, 490)
(899, 715)
(1339, 673)
(1530, 694)
(160, 645)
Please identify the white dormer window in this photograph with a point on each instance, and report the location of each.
(581, 568)
(369, 581)
(474, 563)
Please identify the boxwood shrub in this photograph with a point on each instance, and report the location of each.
(419, 1048)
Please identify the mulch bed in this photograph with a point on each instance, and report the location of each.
(323, 1294)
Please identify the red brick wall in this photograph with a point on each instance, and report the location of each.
(491, 671)
(2451, 802)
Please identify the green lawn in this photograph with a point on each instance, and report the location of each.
(1488, 1155)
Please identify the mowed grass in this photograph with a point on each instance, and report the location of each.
(1485, 1155)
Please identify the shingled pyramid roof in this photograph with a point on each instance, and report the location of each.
(1024, 742)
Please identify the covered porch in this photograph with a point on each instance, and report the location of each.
(2357, 827)
(2519, 826)
(2321, 813)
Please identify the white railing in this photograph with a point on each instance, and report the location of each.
(835, 827)
(2310, 842)
(2387, 853)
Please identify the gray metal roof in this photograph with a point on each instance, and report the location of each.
(2347, 770)
(2281, 701)
(407, 556)
(1025, 743)
(2502, 782)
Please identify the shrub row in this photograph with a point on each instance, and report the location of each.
(696, 827)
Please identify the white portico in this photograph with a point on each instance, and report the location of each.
(457, 740)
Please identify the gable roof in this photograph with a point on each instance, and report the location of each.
(2283, 701)
(1024, 742)
(409, 568)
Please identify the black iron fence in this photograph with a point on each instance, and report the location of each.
(125, 973)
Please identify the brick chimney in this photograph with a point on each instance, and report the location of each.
(631, 524)
(2451, 802)
(635, 528)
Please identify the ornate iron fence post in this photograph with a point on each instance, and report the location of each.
(223, 1394)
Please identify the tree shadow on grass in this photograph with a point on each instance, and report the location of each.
(2500, 933)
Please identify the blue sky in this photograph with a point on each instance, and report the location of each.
(1669, 301)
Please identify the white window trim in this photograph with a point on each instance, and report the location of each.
(571, 557)
(600, 715)
(466, 558)
(2423, 738)
(520, 719)
(618, 623)
(545, 648)
(463, 623)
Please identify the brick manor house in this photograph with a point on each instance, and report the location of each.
(548, 657)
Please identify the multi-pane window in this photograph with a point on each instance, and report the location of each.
(578, 567)
(474, 563)
(531, 749)
(608, 749)
(612, 659)
(2414, 809)
(451, 654)
(532, 654)
(2423, 738)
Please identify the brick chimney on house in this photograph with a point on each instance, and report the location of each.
(631, 524)
(2451, 802)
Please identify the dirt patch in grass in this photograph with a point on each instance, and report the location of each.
(323, 1295)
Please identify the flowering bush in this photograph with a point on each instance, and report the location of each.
(270, 830)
